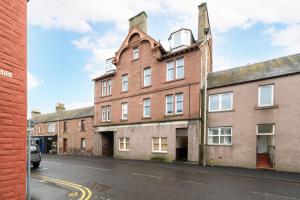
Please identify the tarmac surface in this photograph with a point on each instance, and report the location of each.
(78, 177)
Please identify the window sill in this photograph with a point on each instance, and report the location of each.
(219, 145)
(171, 81)
(105, 96)
(221, 111)
(134, 60)
(266, 107)
(124, 92)
(146, 118)
(148, 86)
(160, 152)
(173, 115)
(124, 120)
(124, 150)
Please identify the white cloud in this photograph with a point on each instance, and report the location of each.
(32, 81)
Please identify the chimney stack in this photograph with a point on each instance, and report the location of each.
(35, 113)
(60, 107)
(203, 22)
(140, 21)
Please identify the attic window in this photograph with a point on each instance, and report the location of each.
(135, 53)
(180, 39)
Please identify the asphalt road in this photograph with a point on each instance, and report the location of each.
(75, 177)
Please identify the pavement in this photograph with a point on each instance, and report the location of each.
(78, 177)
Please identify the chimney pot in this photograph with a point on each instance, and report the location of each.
(140, 21)
(60, 107)
(203, 22)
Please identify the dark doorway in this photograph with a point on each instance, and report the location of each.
(65, 143)
(181, 144)
(107, 144)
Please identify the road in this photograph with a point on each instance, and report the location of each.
(75, 177)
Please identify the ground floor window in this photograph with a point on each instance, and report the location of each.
(220, 136)
(160, 144)
(82, 143)
(124, 144)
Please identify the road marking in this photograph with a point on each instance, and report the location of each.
(194, 182)
(146, 175)
(97, 168)
(54, 162)
(82, 189)
(275, 195)
(73, 194)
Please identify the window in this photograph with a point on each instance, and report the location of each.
(147, 108)
(265, 95)
(169, 104)
(106, 113)
(39, 129)
(51, 128)
(65, 127)
(265, 129)
(179, 103)
(175, 72)
(159, 144)
(179, 68)
(82, 125)
(220, 102)
(135, 53)
(124, 111)
(147, 76)
(106, 87)
(220, 136)
(82, 143)
(123, 144)
(170, 71)
(125, 83)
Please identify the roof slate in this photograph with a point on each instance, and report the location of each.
(267, 69)
(65, 115)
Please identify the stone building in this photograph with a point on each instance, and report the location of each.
(13, 72)
(64, 131)
(147, 104)
(254, 115)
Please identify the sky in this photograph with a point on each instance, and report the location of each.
(70, 40)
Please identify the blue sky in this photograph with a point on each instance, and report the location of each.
(68, 41)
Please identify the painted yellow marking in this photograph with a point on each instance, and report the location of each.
(81, 188)
(73, 194)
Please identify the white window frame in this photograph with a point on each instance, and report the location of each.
(124, 111)
(167, 105)
(220, 102)
(144, 107)
(219, 135)
(147, 76)
(51, 128)
(82, 143)
(103, 88)
(273, 125)
(39, 129)
(105, 114)
(108, 85)
(167, 70)
(125, 81)
(176, 67)
(159, 145)
(135, 53)
(176, 103)
(272, 96)
(123, 140)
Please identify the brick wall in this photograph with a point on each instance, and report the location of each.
(13, 99)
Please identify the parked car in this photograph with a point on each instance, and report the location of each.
(35, 155)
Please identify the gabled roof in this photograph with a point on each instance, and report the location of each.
(65, 115)
(272, 68)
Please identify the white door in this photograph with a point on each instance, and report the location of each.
(262, 144)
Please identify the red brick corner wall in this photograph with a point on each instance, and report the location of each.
(13, 99)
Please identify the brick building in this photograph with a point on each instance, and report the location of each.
(13, 70)
(69, 131)
(147, 104)
(254, 115)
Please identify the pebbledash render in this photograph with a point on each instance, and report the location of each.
(64, 131)
(147, 104)
(254, 115)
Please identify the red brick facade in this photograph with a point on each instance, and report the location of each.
(13, 99)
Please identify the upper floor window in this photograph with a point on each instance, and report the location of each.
(82, 125)
(39, 129)
(220, 136)
(51, 128)
(178, 103)
(124, 82)
(136, 53)
(220, 102)
(266, 95)
(65, 127)
(147, 108)
(169, 104)
(147, 76)
(106, 87)
(124, 111)
(106, 113)
(177, 71)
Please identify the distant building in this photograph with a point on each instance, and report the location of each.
(254, 115)
(64, 131)
(147, 104)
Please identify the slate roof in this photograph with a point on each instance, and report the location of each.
(65, 115)
(263, 70)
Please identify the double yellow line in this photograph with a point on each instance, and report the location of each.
(86, 193)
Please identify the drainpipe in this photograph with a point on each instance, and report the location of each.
(57, 142)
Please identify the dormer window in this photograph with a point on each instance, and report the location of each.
(135, 53)
(180, 39)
